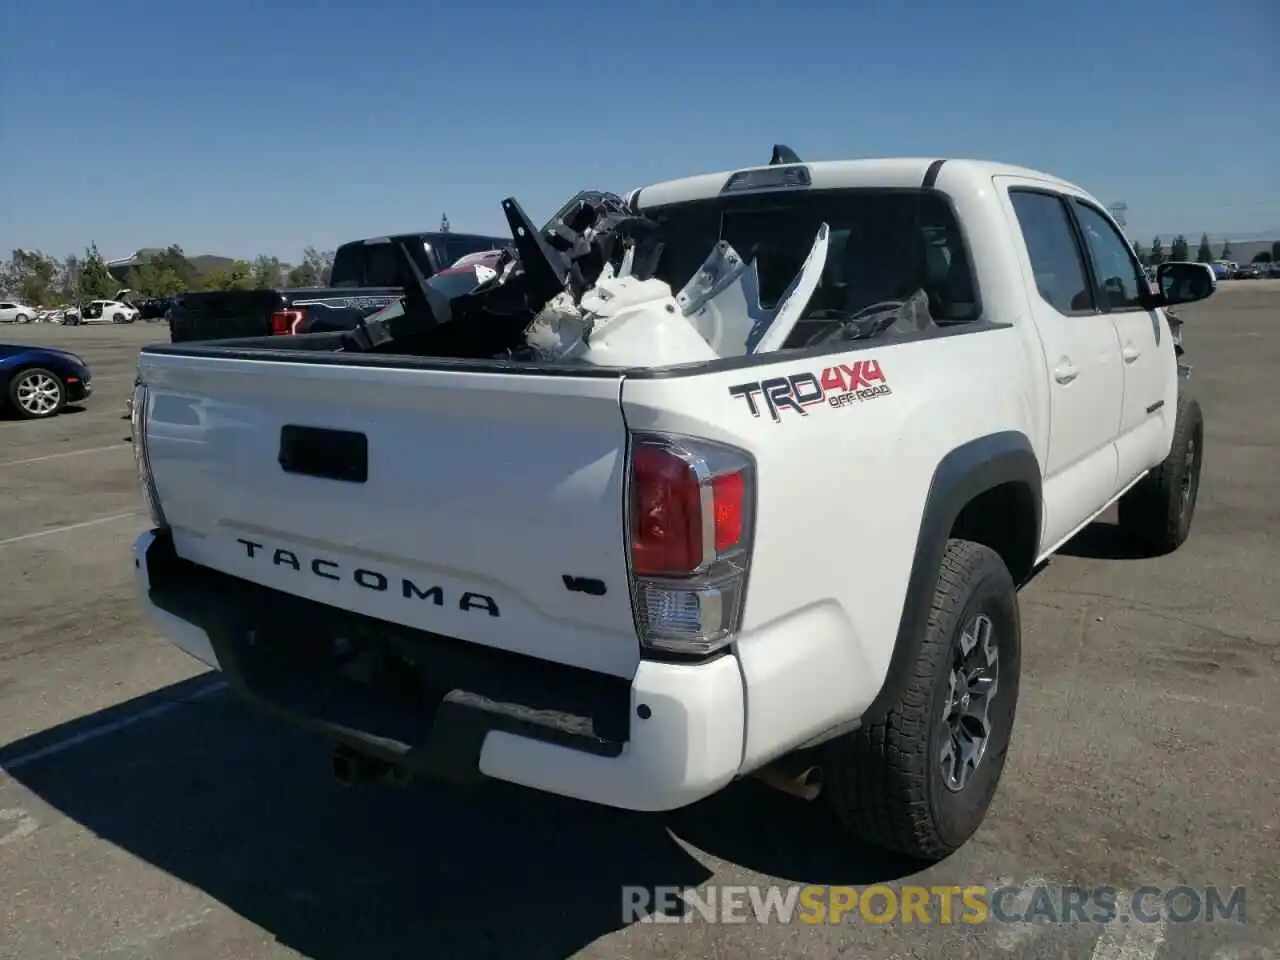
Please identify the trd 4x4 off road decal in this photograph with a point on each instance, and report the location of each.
(838, 386)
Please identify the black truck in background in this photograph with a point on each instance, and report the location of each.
(365, 277)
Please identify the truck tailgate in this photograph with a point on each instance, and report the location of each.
(473, 505)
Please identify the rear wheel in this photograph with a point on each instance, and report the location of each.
(920, 779)
(36, 393)
(1156, 514)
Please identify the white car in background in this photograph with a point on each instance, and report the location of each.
(108, 311)
(11, 311)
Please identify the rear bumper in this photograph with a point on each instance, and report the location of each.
(452, 710)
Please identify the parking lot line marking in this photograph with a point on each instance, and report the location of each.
(66, 528)
(93, 733)
(65, 453)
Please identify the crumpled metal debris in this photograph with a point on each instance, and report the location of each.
(583, 289)
(623, 320)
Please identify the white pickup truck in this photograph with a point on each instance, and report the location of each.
(634, 583)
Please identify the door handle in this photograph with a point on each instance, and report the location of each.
(1064, 372)
(1130, 353)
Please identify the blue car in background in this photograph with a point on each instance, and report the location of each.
(37, 382)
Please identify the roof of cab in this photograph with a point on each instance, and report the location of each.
(904, 172)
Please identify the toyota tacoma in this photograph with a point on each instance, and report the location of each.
(735, 475)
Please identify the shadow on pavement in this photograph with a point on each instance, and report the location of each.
(1102, 541)
(243, 808)
(70, 409)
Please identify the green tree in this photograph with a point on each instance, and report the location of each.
(69, 280)
(1180, 250)
(96, 283)
(1205, 253)
(1262, 256)
(302, 276)
(153, 279)
(1275, 250)
(1157, 251)
(1226, 250)
(237, 275)
(173, 263)
(163, 274)
(313, 271)
(32, 277)
(267, 272)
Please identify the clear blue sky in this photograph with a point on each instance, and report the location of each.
(258, 126)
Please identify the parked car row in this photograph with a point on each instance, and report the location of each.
(95, 311)
(1254, 271)
(1228, 270)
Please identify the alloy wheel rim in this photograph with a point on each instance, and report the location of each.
(38, 394)
(971, 688)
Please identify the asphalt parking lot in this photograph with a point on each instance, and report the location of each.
(144, 813)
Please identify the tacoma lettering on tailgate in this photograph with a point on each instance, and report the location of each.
(838, 386)
(364, 577)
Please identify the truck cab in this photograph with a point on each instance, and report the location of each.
(376, 262)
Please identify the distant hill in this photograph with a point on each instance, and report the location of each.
(207, 263)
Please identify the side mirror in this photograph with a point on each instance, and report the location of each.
(1182, 282)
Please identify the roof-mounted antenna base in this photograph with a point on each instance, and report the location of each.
(783, 154)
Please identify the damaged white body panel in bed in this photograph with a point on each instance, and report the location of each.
(626, 322)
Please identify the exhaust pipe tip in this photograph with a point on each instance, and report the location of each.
(352, 769)
(806, 784)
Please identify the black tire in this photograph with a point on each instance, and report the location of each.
(22, 406)
(1156, 514)
(21, 318)
(885, 781)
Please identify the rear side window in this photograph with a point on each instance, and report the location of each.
(348, 266)
(1055, 256)
(1116, 268)
(382, 265)
(367, 265)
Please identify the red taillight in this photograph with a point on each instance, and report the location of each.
(691, 533)
(285, 322)
(729, 493)
(668, 504)
(666, 514)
